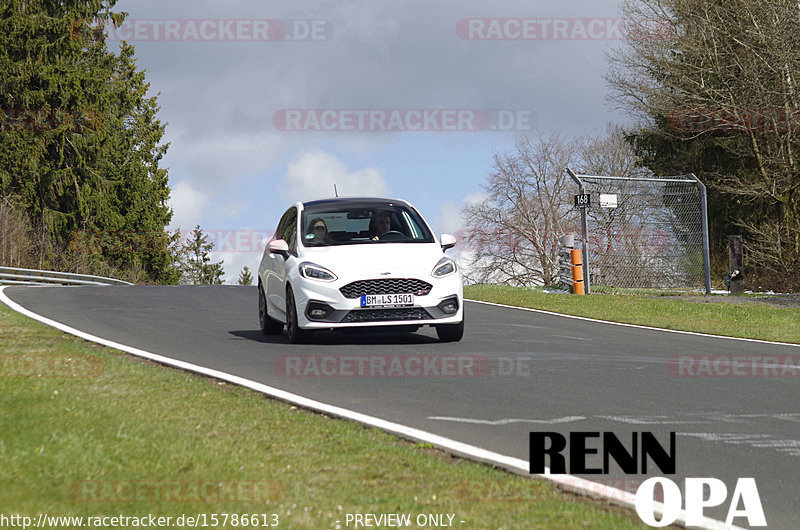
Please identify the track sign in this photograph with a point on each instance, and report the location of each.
(608, 200)
(582, 200)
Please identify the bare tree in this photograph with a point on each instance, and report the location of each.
(513, 234)
(16, 237)
(24, 245)
(612, 155)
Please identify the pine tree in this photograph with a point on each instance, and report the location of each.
(80, 144)
(196, 265)
(245, 277)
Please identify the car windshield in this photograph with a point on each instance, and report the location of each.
(333, 224)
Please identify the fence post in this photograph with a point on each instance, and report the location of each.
(584, 234)
(704, 224)
(735, 265)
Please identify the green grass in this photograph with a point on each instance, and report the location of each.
(715, 315)
(95, 422)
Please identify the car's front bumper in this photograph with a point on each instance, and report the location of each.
(323, 306)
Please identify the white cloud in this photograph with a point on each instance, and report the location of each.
(472, 198)
(187, 204)
(218, 161)
(313, 174)
(450, 221)
(368, 23)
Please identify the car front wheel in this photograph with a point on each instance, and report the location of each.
(268, 325)
(450, 332)
(296, 335)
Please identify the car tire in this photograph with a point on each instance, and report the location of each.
(450, 332)
(267, 324)
(296, 335)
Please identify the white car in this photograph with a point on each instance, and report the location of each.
(358, 262)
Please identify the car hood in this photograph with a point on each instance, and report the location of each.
(397, 259)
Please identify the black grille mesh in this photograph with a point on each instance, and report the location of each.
(378, 315)
(386, 286)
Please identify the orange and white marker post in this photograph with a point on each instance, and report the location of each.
(577, 271)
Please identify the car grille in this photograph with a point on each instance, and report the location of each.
(386, 286)
(378, 315)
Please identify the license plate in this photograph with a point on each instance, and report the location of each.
(387, 300)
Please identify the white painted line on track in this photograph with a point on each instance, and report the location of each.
(571, 337)
(651, 420)
(639, 326)
(513, 464)
(506, 421)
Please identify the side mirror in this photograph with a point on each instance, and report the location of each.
(447, 241)
(278, 246)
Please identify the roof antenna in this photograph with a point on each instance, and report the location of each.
(335, 192)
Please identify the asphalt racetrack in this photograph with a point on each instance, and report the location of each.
(514, 372)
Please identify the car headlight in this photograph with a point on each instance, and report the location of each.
(312, 271)
(445, 267)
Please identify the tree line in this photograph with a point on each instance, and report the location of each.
(717, 96)
(80, 152)
(81, 144)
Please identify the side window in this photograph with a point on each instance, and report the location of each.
(282, 224)
(290, 231)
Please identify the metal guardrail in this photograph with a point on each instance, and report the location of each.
(16, 276)
(565, 269)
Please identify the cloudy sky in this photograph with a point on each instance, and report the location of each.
(272, 102)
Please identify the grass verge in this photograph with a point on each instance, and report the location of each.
(700, 314)
(88, 431)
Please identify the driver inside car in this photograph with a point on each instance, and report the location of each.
(381, 224)
(318, 231)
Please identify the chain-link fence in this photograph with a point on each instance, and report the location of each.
(646, 232)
